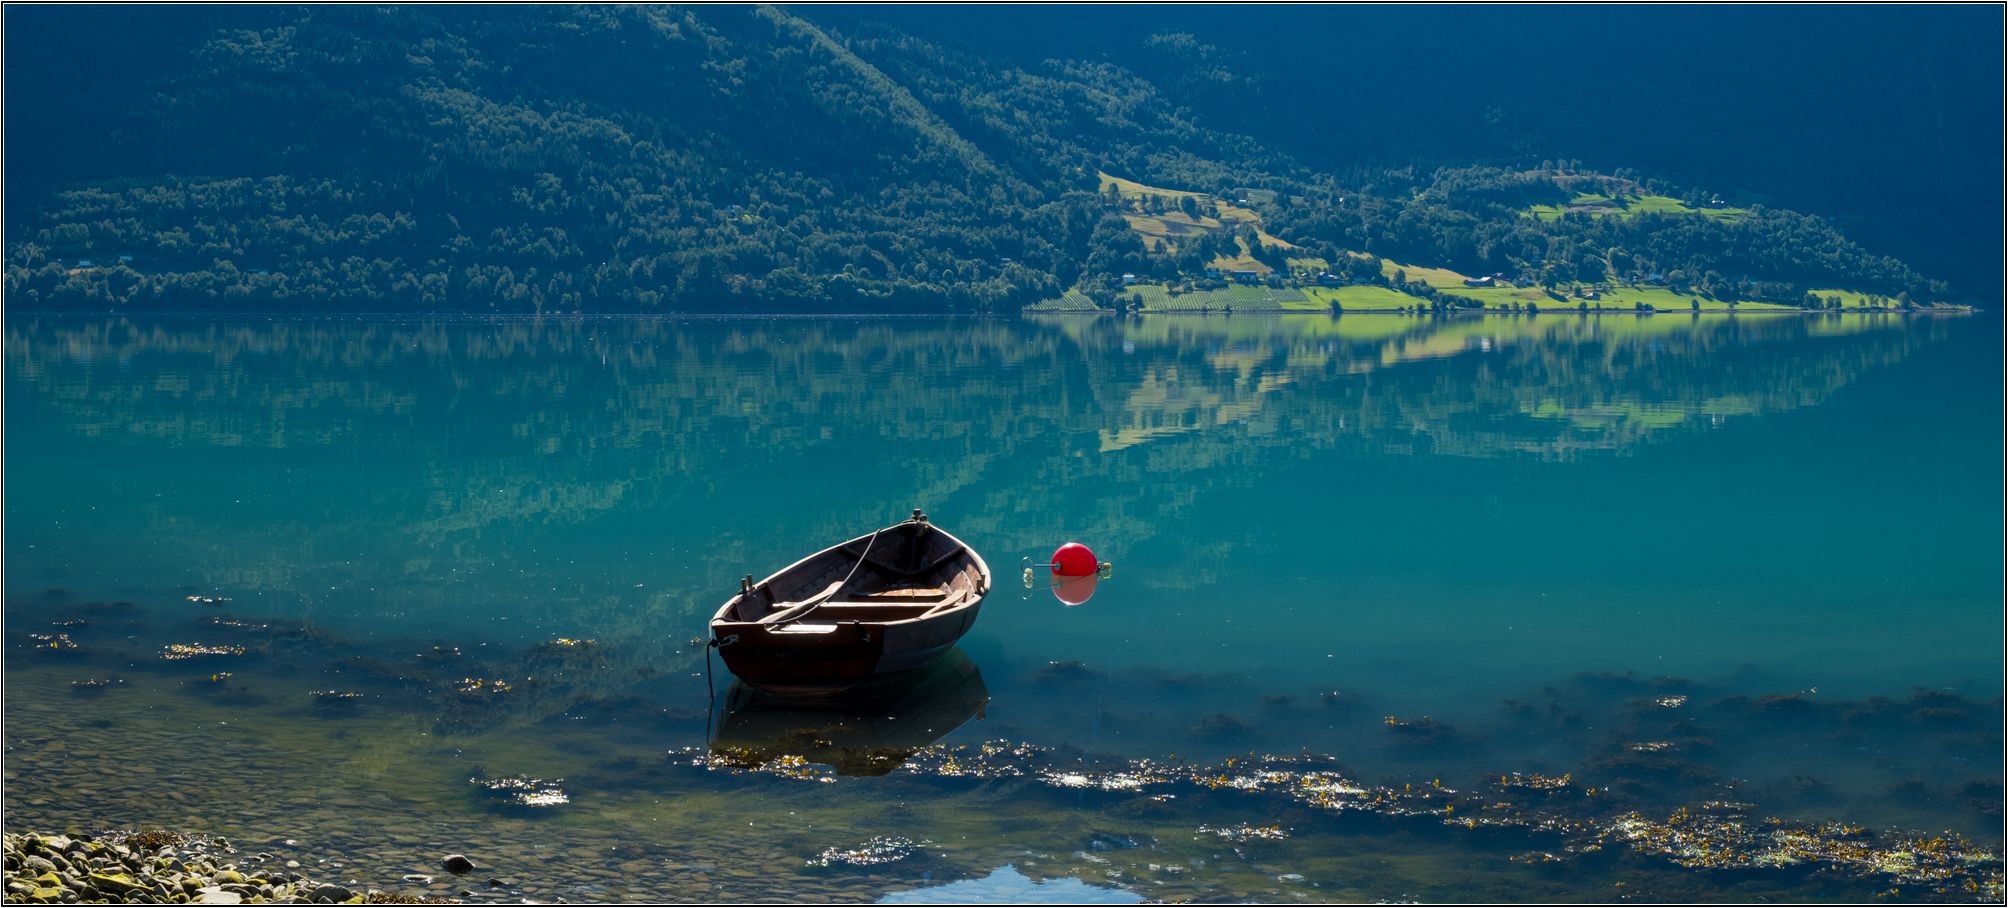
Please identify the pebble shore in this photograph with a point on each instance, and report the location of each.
(157, 867)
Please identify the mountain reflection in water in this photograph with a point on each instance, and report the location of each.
(638, 407)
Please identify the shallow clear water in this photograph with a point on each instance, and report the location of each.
(1430, 549)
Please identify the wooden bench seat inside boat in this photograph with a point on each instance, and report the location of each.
(872, 611)
(883, 605)
(907, 594)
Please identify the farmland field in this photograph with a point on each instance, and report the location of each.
(1072, 301)
(1364, 298)
(1596, 205)
(1240, 298)
(1440, 278)
(1172, 225)
(1154, 228)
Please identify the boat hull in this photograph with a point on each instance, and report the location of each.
(850, 654)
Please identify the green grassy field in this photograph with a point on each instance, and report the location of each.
(1496, 297)
(1449, 284)
(1601, 205)
(1440, 278)
(1664, 300)
(1361, 299)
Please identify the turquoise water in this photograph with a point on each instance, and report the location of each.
(1432, 549)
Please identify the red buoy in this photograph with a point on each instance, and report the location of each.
(1074, 560)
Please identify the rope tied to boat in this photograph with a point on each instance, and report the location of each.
(710, 691)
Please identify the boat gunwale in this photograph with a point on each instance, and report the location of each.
(720, 619)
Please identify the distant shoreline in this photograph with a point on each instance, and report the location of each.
(400, 315)
(1493, 313)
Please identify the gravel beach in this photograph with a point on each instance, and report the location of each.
(157, 867)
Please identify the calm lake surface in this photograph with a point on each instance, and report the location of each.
(1750, 561)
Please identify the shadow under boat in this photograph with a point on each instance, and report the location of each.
(865, 731)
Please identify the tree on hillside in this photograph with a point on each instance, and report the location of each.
(1115, 249)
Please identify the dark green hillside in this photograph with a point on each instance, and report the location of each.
(747, 158)
(569, 159)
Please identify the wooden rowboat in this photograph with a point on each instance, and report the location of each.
(883, 603)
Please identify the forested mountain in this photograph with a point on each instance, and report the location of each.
(757, 158)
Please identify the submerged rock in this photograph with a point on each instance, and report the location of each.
(331, 703)
(440, 653)
(1219, 725)
(1112, 841)
(1426, 730)
(1059, 671)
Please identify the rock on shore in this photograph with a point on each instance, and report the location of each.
(157, 868)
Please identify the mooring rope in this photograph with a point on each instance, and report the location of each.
(711, 706)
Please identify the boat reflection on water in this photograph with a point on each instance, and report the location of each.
(866, 731)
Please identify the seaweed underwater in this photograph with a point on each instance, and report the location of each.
(1652, 783)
